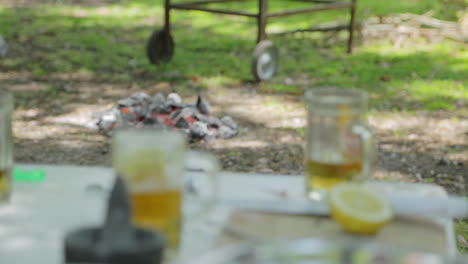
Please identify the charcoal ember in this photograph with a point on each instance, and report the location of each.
(140, 110)
(226, 132)
(198, 130)
(149, 121)
(175, 114)
(182, 123)
(174, 99)
(203, 106)
(126, 102)
(108, 121)
(158, 104)
(201, 117)
(209, 120)
(136, 104)
(161, 119)
(227, 120)
(159, 123)
(211, 135)
(134, 99)
(214, 122)
(184, 112)
(141, 96)
(127, 115)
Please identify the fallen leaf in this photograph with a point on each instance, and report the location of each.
(125, 110)
(385, 77)
(195, 79)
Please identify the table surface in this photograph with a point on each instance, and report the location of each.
(33, 224)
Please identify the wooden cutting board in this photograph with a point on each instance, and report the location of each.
(428, 235)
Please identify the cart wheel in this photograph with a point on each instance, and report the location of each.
(265, 60)
(160, 47)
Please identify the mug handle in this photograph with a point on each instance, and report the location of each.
(368, 150)
(201, 183)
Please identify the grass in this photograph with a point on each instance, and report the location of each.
(108, 42)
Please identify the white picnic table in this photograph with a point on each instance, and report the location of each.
(34, 222)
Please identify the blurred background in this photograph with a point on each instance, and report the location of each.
(67, 61)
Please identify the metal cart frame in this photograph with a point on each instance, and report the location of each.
(160, 47)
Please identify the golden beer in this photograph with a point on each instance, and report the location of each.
(322, 176)
(339, 145)
(153, 163)
(159, 210)
(156, 201)
(5, 184)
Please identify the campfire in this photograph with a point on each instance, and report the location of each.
(167, 113)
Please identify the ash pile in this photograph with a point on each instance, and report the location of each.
(167, 113)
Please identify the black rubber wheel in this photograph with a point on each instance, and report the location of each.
(160, 47)
(265, 61)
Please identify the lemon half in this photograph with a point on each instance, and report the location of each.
(359, 209)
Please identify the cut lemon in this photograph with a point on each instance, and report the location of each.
(359, 209)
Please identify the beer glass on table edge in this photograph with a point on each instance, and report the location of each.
(153, 164)
(339, 146)
(6, 145)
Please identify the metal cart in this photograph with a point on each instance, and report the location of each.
(160, 46)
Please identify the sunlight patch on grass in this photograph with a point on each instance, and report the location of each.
(438, 88)
(218, 81)
(422, 94)
(385, 48)
(280, 88)
(112, 10)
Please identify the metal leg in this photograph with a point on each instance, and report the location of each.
(352, 26)
(262, 19)
(167, 16)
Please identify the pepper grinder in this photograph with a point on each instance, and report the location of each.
(118, 241)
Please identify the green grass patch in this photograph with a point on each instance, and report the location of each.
(109, 43)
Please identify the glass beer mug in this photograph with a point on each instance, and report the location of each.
(153, 164)
(339, 146)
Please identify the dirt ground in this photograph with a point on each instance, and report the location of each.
(417, 147)
(59, 128)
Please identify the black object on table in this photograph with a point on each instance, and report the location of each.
(118, 241)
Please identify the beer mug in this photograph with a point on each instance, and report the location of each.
(339, 146)
(6, 145)
(153, 164)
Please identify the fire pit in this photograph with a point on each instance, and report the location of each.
(167, 113)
